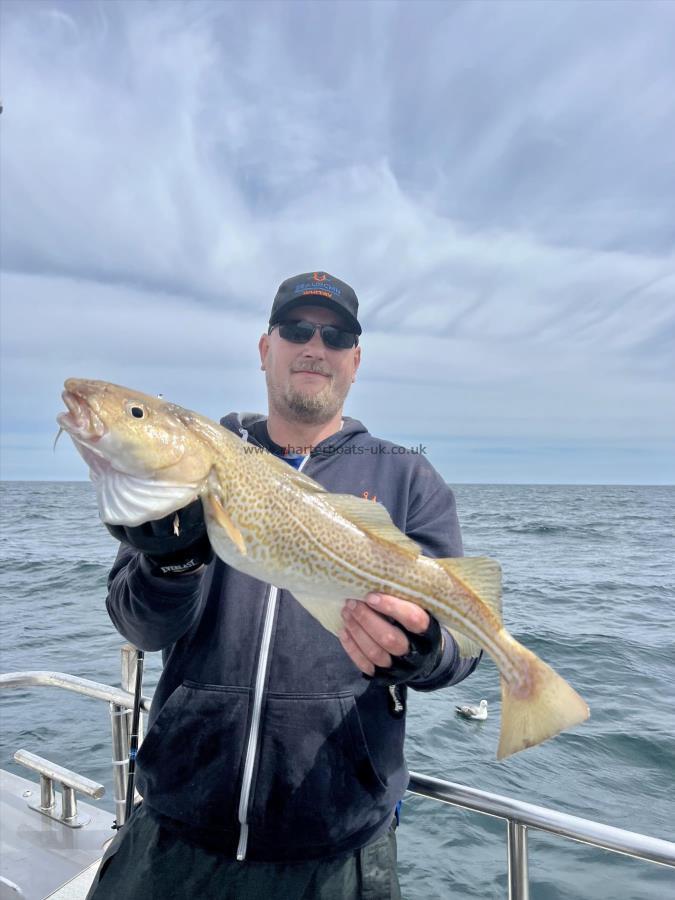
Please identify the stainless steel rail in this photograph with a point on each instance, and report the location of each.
(93, 689)
(119, 701)
(70, 782)
(58, 773)
(520, 816)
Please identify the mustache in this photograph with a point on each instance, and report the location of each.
(311, 365)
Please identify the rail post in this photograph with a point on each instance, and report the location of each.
(516, 840)
(120, 759)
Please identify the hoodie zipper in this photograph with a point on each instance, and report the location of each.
(254, 732)
(252, 743)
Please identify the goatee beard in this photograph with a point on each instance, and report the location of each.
(312, 410)
(307, 409)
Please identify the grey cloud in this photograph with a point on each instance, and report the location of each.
(557, 116)
(215, 118)
(494, 179)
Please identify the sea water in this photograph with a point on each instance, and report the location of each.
(589, 585)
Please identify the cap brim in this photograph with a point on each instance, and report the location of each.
(317, 300)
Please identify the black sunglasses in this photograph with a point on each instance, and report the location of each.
(300, 331)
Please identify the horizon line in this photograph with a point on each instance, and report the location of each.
(467, 483)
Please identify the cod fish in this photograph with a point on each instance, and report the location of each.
(148, 458)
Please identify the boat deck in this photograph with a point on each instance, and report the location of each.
(68, 857)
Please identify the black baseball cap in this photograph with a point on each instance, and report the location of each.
(318, 289)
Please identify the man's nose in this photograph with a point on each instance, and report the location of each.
(314, 346)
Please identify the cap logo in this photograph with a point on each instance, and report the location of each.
(319, 276)
(309, 287)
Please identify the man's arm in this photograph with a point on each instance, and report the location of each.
(151, 611)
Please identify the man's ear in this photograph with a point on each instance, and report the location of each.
(357, 362)
(263, 349)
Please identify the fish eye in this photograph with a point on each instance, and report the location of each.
(136, 410)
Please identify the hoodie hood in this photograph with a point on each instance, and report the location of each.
(245, 423)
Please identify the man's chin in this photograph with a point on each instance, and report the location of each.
(312, 408)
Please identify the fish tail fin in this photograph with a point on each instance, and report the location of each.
(536, 706)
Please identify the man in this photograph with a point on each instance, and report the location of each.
(273, 764)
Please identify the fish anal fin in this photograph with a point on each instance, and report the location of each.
(373, 519)
(480, 575)
(467, 647)
(327, 611)
(223, 519)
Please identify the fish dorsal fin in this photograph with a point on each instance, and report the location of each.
(480, 575)
(282, 469)
(373, 519)
(294, 477)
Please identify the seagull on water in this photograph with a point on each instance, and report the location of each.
(473, 712)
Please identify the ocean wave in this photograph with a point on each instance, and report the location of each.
(61, 566)
(586, 588)
(17, 566)
(540, 528)
(35, 516)
(574, 530)
(636, 750)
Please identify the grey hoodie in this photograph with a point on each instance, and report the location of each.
(264, 738)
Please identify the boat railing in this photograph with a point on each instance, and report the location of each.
(520, 816)
(120, 702)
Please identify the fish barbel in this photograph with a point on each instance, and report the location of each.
(148, 458)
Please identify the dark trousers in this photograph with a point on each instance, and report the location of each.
(147, 861)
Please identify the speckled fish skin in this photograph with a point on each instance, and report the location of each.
(149, 457)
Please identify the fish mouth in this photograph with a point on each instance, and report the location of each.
(81, 422)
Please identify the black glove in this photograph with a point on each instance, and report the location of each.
(426, 650)
(174, 545)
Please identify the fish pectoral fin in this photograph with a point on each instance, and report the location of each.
(327, 612)
(467, 647)
(220, 515)
(373, 519)
(480, 575)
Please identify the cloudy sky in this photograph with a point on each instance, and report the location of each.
(496, 180)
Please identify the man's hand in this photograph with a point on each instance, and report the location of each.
(176, 544)
(376, 645)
